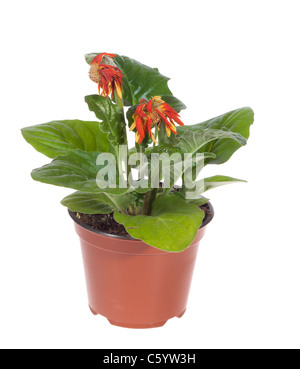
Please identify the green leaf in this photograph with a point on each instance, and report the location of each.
(206, 184)
(200, 201)
(175, 170)
(139, 81)
(89, 57)
(162, 148)
(172, 226)
(175, 103)
(194, 141)
(111, 115)
(59, 137)
(236, 121)
(77, 170)
(89, 203)
(216, 181)
(129, 114)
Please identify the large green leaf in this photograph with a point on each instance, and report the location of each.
(111, 115)
(172, 225)
(237, 121)
(176, 168)
(89, 203)
(195, 141)
(59, 137)
(139, 81)
(216, 181)
(198, 187)
(77, 170)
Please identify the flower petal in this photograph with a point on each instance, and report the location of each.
(139, 127)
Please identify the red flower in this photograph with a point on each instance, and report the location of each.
(108, 76)
(147, 114)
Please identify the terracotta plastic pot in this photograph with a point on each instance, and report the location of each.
(133, 284)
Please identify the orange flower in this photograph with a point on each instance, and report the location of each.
(108, 76)
(147, 114)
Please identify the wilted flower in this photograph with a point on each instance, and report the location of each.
(107, 75)
(151, 113)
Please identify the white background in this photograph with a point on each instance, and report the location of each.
(221, 55)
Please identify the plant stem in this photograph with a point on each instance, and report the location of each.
(166, 191)
(151, 200)
(162, 134)
(155, 135)
(183, 186)
(130, 208)
(120, 104)
(146, 202)
(119, 101)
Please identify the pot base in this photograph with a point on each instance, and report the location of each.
(135, 325)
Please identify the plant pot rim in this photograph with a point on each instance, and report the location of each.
(89, 228)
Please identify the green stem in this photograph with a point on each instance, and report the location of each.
(120, 104)
(155, 135)
(119, 101)
(151, 200)
(162, 133)
(146, 203)
(183, 186)
(130, 208)
(166, 191)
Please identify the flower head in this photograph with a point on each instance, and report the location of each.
(104, 72)
(151, 113)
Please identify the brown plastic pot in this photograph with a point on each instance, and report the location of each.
(133, 284)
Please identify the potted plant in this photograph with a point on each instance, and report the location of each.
(139, 211)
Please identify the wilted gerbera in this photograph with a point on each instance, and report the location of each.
(151, 113)
(107, 75)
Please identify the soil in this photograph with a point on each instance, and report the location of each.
(106, 222)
